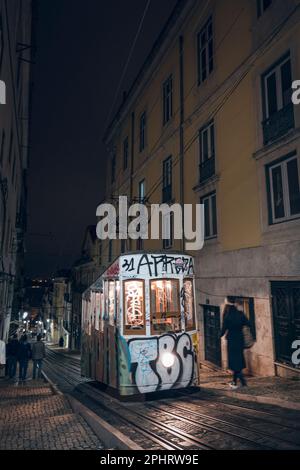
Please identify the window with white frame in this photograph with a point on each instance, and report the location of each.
(277, 87)
(167, 99)
(205, 51)
(207, 142)
(278, 111)
(283, 189)
(210, 215)
(262, 6)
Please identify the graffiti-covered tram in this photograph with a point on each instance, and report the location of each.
(139, 324)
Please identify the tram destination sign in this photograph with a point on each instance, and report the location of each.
(156, 265)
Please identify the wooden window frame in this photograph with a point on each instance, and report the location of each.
(153, 332)
(134, 332)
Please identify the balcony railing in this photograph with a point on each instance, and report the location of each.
(167, 193)
(278, 124)
(207, 169)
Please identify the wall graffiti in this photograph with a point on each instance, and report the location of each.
(161, 363)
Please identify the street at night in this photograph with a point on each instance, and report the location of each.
(150, 231)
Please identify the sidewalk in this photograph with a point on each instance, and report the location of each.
(33, 417)
(269, 390)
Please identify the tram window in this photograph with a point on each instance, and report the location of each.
(117, 300)
(165, 310)
(98, 310)
(188, 303)
(111, 302)
(134, 307)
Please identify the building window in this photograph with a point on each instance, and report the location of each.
(167, 99)
(165, 306)
(210, 215)
(207, 152)
(188, 304)
(283, 189)
(125, 153)
(205, 52)
(113, 169)
(277, 104)
(167, 180)
(262, 5)
(143, 131)
(134, 307)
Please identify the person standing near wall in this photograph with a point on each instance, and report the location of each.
(23, 355)
(38, 354)
(233, 322)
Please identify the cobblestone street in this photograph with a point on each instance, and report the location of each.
(32, 417)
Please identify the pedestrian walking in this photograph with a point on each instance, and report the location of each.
(11, 356)
(23, 355)
(38, 354)
(233, 322)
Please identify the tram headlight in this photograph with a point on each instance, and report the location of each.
(167, 359)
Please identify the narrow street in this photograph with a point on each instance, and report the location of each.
(186, 420)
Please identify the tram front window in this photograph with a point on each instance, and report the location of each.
(134, 307)
(165, 309)
(188, 297)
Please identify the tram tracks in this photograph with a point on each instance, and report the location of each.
(167, 425)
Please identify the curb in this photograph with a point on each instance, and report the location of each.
(110, 436)
(53, 387)
(257, 399)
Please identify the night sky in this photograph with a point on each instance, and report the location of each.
(82, 46)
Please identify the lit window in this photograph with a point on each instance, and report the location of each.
(111, 302)
(188, 302)
(134, 307)
(165, 310)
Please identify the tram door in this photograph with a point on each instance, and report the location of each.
(212, 326)
(286, 317)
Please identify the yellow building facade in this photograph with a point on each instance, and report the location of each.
(209, 119)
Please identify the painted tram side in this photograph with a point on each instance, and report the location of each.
(139, 324)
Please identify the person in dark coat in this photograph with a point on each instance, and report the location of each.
(11, 356)
(233, 322)
(24, 354)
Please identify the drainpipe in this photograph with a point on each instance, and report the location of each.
(181, 134)
(131, 170)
